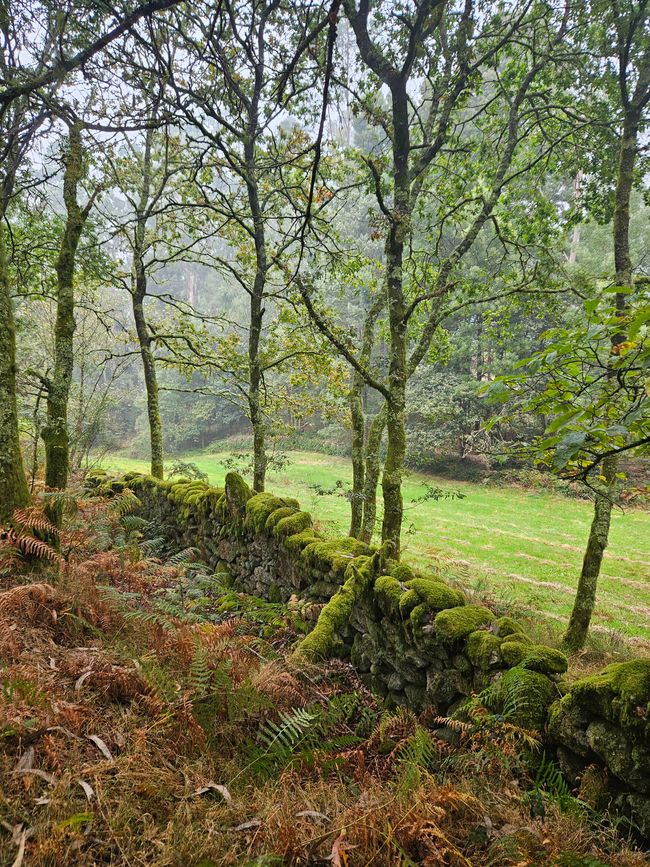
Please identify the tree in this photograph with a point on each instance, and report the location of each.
(432, 62)
(55, 432)
(229, 91)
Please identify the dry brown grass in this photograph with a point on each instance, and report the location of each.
(109, 757)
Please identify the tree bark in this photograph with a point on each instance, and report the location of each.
(585, 601)
(372, 473)
(14, 493)
(55, 431)
(358, 464)
(138, 294)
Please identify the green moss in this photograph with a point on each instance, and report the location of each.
(260, 506)
(237, 494)
(514, 648)
(620, 694)
(484, 649)
(389, 593)
(407, 603)
(456, 623)
(402, 572)
(300, 540)
(525, 696)
(292, 524)
(418, 615)
(436, 594)
(335, 554)
(276, 516)
(509, 626)
(547, 660)
(326, 638)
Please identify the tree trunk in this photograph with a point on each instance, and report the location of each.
(358, 463)
(397, 374)
(14, 493)
(151, 385)
(138, 294)
(583, 605)
(55, 431)
(372, 473)
(255, 371)
(585, 601)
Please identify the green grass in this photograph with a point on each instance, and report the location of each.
(519, 546)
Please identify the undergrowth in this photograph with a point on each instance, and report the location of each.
(150, 715)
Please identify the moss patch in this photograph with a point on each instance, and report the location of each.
(454, 624)
(619, 694)
(524, 697)
(389, 593)
(326, 639)
(300, 540)
(276, 516)
(436, 594)
(335, 554)
(293, 524)
(484, 649)
(237, 494)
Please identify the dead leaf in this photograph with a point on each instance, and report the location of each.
(88, 790)
(313, 814)
(26, 761)
(101, 746)
(21, 850)
(36, 773)
(339, 856)
(246, 826)
(80, 680)
(214, 787)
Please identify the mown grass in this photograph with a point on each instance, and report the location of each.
(522, 547)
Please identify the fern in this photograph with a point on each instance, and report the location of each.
(134, 523)
(550, 785)
(184, 557)
(153, 547)
(149, 618)
(414, 756)
(199, 674)
(62, 502)
(125, 503)
(280, 740)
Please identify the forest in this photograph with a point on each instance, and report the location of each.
(383, 261)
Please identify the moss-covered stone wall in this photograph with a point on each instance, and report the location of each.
(412, 637)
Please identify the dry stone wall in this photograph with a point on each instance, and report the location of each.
(413, 638)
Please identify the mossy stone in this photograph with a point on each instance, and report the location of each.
(547, 660)
(453, 624)
(260, 506)
(292, 524)
(237, 495)
(401, 572)
(484, 649)
(389, 592)
(409, 600)
(278, 515)
(525, 697)
(509, 626)
(620, 694)
(326, 638)
(626, 760)
(436, 594)
(298, 541)
(335, 554)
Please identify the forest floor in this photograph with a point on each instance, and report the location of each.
(512, 545)
(147, 718)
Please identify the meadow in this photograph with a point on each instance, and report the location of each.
(515, 546)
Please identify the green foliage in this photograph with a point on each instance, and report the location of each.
(279, 740)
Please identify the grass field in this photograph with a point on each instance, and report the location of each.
(519, 546)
